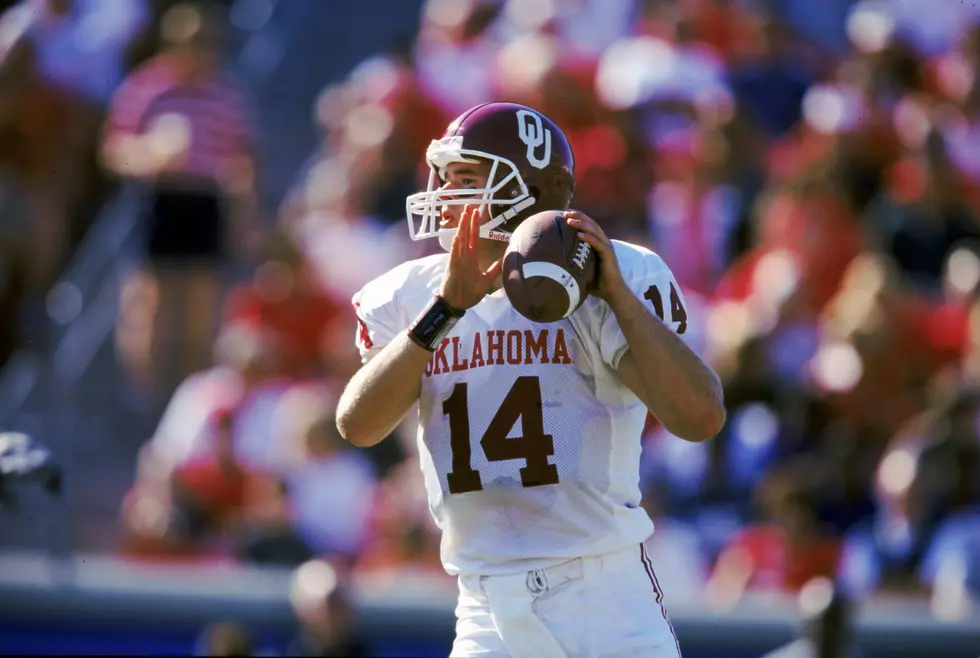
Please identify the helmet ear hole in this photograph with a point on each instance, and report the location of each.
(511, 191)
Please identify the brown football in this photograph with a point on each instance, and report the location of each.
(548, 271)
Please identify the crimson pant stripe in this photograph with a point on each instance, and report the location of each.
(648, 567)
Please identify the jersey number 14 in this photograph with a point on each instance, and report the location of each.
(677, 312)
(523, 403)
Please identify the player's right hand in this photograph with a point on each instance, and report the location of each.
(466, 282)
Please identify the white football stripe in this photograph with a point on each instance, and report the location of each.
(557, 274)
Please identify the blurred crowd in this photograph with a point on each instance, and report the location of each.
(809, 171)
(61, 62)
(50, 187)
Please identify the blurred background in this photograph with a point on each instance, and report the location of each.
(190, 194)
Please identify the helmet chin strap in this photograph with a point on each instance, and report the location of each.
(446, 235)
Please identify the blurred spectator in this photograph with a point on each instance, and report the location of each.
(326, 614)
(225, 639)
(12, 266)
(847, 465)
(921, 215)
(692, 214)
(954, 78)
(930, 31)
(81, 43)
(330, 487)
(872, 318)
(782, 553)
(884, 552)
(40, 152)
(193, 509)
(327, 217)
(693, 484)
(827, 625)
(401, 551)
(954, 464)
(378, 122)
(824, 24)
(403, 540)
(160, 521)
(454, 47)
(298, 492)
(664, 80)
(210, 489)
(952, 562)
(388, 89)
(810, 219)
(310, 326)
(245, 377)
(180, 126)
(81, 47)
(771, 77)
(266, 535)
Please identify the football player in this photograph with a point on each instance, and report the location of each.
(529, 433)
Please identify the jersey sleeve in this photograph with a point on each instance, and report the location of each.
(387, 305)
(378, 318)
(653, 283)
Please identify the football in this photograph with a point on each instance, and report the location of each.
(548, 271)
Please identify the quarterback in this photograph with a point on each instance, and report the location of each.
(529, 434)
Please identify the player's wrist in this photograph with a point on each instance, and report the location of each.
(457, 297)
(434, 323)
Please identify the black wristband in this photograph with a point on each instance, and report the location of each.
(434, 324)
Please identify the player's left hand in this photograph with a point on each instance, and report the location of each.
(610, 277)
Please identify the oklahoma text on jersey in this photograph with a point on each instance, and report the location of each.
(511, 347)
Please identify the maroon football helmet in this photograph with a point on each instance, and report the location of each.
(532, 169)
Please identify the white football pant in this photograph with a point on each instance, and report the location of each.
(608, 606)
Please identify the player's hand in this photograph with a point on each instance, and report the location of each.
(610, 277)
(465, 282)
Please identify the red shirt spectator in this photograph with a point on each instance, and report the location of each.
(216, 480)
(817, 231)
(302, 323)
(778, 565)
(309, 325)
(780, 555)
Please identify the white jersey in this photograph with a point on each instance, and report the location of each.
(529, 440)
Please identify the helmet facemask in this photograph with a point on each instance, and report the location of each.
(504, 196)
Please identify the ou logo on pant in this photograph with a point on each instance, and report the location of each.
(533, 133)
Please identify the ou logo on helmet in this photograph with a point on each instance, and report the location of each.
(533, 133)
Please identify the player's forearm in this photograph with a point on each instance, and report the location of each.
(380, 394)
(668, 377)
